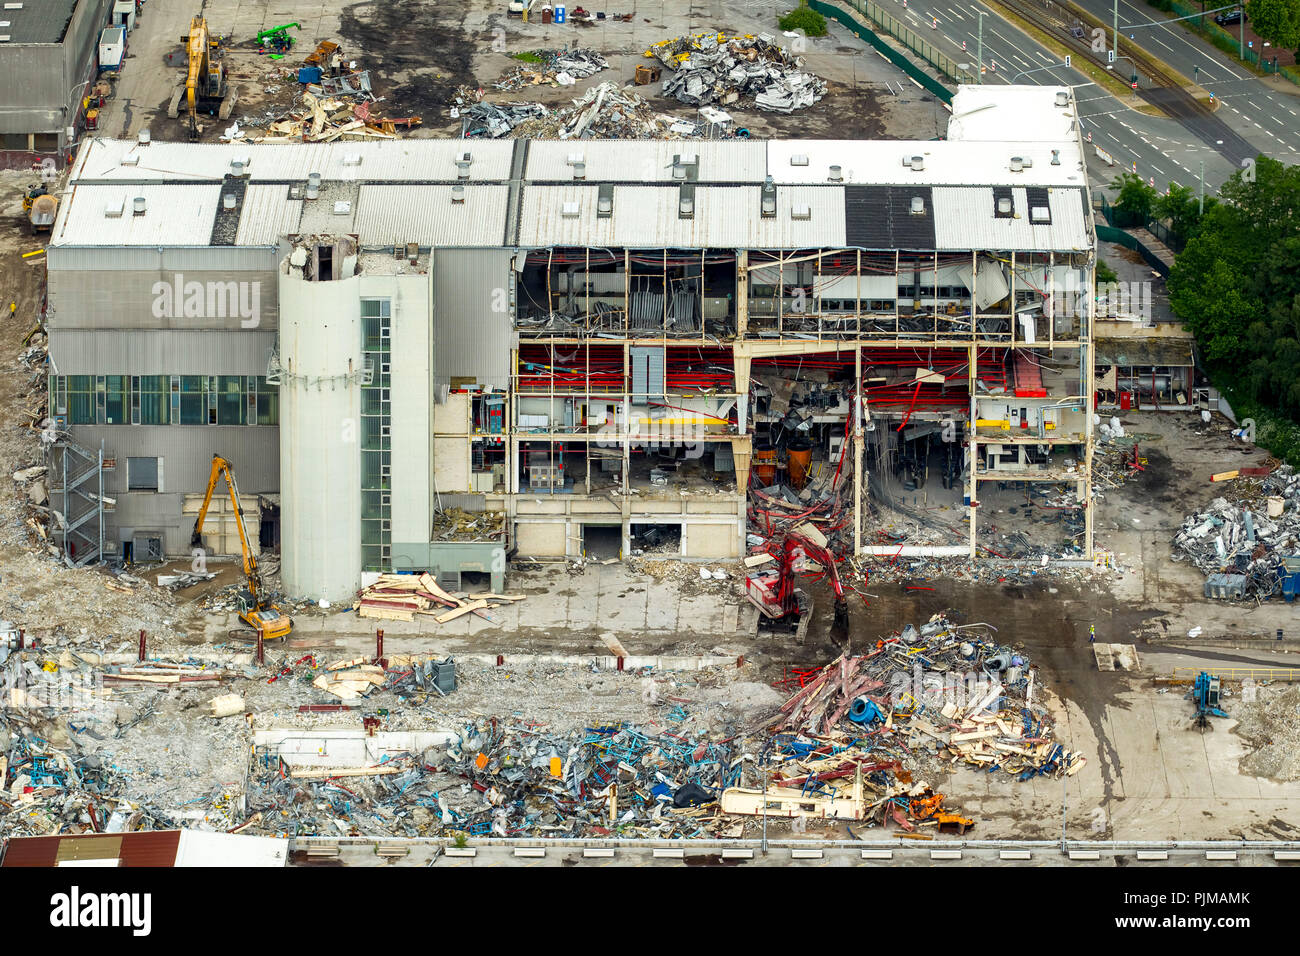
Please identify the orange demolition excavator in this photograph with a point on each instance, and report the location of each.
(255, 609)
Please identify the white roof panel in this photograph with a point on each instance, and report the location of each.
(427, 215)
(268, 214)
(1020, 114)
(880, 162)
(964, 219)
(173, 216)
(647, 217)
(400, 160)
(627, 161)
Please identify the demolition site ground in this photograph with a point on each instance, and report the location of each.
(545, 665)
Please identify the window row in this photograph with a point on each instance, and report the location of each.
(165, 400)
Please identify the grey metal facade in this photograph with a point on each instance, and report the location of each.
(159, 352)
(45, 101)
(471, 316)
(186, 452)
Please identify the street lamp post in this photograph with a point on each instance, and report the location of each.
(1114, 28)
(1201, 205)
(1241, 42)
(979, 48)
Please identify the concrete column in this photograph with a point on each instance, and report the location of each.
(972, 374)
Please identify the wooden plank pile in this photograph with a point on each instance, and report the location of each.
(400, 597)
(350, 679)
(327, 118)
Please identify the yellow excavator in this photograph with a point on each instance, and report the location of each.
(254, 608)
(205, 87)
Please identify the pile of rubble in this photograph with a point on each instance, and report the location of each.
(1267, 720)
(554, 68)
(1241, 544)
(326, 118)
(712, 68)
(457, 524)
(605, 111)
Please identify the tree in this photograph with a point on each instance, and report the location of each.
(1136, 198)
(1277, 21)
(1182, 208)
(804, 18)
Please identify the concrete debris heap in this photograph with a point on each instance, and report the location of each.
(1243, 545)
(712, 68)
(400, 597)
(553, 67)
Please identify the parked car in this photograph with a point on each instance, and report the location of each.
(1231, 18)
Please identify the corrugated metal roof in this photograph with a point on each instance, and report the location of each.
(880, 162)
(403, 160)
(199, 848)
(964, 220)
(268, 214)
(173, 217)
(40, 21)
(148, 848)
(388, 214)
(646, 217)
(628, 161)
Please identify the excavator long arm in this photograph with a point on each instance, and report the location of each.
(197, 47)
(220, 467)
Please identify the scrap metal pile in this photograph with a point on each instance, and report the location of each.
(712, 68)
(855, 741)
(554, 67)
(1246, 540)
(605, 111)
(513, 779)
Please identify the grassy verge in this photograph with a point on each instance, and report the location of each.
(1274, 432)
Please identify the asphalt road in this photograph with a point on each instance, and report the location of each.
(1159, 149)
(1266, 115)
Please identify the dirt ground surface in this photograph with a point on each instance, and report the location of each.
(420, 53)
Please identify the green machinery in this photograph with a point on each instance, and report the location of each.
(277, 39)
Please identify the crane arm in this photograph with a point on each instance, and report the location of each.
(198, 51)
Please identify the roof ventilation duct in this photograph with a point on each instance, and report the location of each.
(1017, 163)
(463, 163)
(836, 174)
(1062, 98)
(1056, 157)
(917, 163)
(767, 206)
(686, 202)
(143, 138)
(579, 170)
(605, 201)
(918, 206)
(313, 185)
(1004, 206)
(458, 193)
(228, 201)
(138, 206)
